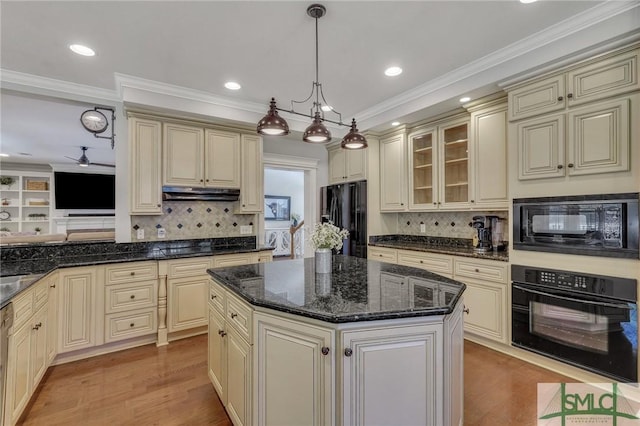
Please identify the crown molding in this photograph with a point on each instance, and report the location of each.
(522, 47)
(30, 83)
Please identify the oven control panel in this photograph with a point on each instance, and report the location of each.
(566, 280)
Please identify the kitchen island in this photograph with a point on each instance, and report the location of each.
(369, 343)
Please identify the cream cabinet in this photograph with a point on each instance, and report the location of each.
(252, 175)
(590, 139)
(455, 164)
(79, 309)
(284, 396)
(217, 353)
(187, 292)
(347, 165)
(193, 156)
(227, 260)
(423, 169)
(440, 264)
(393, 174)
(588, 81)
(145, 171)
(52, 317)
(383, 254)
(485, 297)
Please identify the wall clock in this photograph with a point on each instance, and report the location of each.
(94, 121)
(5, 215)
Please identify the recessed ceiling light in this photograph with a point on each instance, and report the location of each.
(2, 154)
(26, 154)
(82, 50)
(232, 85)
(326, 108)
(528, 1)
(465, 99)
(393, 71)
(395, 123)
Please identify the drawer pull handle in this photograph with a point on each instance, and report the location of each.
(37, 326)
(466, 310)
(133, 273)
(222, 333)
(133, 296)
(132, 324)
(233, 315)
(325, 350)
(348, 352)
(52, 286)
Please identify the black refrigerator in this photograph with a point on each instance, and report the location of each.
(345, 205)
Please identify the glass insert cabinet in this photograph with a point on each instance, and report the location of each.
(439, 167)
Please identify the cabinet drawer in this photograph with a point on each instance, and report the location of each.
(124, 297)
(130, 324)
(189, 268)
(234, 260)
(494, 272)
(265, 256)
(383, 254)
(537, 98)
(130, 272)
(22, 308)
(40, 294)
(217, 297)
(440, 264)
(239, 316)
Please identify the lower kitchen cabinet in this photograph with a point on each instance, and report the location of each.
(217, 354)
(79, 309)
(238, 378)
(294, 372)
(187, 303)
(52, 318)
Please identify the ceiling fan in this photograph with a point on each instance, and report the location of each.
(83, 161)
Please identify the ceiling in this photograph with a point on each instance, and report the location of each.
(267, 47)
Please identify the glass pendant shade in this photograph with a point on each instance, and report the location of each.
(316, 132)
(353, 139)
(272, 124)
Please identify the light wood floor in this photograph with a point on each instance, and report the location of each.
(169, 386)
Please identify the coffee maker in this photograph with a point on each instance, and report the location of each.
(489, 233)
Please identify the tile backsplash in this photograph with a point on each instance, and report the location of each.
(445, 224)
(193, 219)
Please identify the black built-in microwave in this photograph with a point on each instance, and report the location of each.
(592, 225)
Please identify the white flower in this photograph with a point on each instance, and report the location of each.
(327, 235)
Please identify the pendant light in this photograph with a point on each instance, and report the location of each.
(273, 125)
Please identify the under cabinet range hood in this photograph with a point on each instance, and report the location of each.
(186, 193)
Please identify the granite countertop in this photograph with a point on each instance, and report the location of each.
(356, 290)
(35, 261)
(452, 246)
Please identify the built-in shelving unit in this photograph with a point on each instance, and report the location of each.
(27, 202)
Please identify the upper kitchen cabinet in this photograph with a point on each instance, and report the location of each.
(193, 156)
(454, 174)
(251, 178)
(585, 133)
(145, 143)
(423, 155)
(586, 82)
(347, 165)
(393, 173)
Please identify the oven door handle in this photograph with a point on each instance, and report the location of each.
(605, 304)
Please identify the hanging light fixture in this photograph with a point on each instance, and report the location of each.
(272, 124)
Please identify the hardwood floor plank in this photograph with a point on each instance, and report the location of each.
(169, 386)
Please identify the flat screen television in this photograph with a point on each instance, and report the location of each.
(84, 191)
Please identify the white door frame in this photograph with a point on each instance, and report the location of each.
(311, 195)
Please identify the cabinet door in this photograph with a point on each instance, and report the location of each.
(454, 367)
(238, 378)
(393, 193)
(295, 373)
(39, 346)
(222, 159)
(182, 155)
(145, 179)
(251, 185)
(454, 171)
(337, 165)
(605, 78)
(18, 370)
(599, 137)
(537, 98)
(217, 361)
(541, 147)
(423, 172)
(489, 153)
(377, 386)
(52, 320)
(356, 164)
(77, 309)
(187, 303)
(487, 304)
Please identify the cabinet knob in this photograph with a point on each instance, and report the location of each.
(37, 326)
(133, 273)
(439, 203)
(132, 325)
(435, 204)
(243, 205)
(325, 350)
(158, 205)
(133, 296)
(570, 165)
(402, 204)
(422, 261)
(560, 166)
(52, 286)
(348, 352)
(233, 315)
(560, 98)
(465, 310)
(570, 96)
(477, 270)
(473, 201)
(207, 180)
(213, 296)
(222, 333)
(201, 180)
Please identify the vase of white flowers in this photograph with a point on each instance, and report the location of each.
(326, 237)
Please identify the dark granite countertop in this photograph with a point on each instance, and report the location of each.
(356, 290)
(452, 246)
(39, 260)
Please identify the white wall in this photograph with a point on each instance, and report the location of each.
(285, 183)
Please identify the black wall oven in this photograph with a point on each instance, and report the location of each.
(590, 321)
(593, 225)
